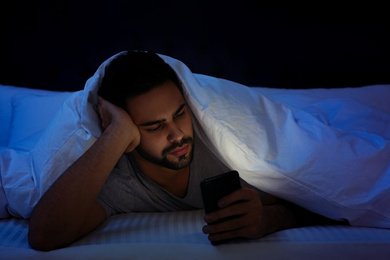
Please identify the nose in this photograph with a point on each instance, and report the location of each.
(175, 133)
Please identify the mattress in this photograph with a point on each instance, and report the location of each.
(178, 235)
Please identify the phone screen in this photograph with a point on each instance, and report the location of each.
(214, 188)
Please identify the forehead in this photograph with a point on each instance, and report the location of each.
(159, 103)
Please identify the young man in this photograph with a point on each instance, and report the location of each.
(148, 158)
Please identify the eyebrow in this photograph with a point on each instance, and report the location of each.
(162, 120)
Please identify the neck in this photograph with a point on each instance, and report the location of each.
(173, 181)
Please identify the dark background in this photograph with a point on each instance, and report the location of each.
(58, 44)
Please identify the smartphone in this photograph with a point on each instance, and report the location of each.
(214, 188)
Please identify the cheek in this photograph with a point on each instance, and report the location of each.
(152, 144)
(187, 126)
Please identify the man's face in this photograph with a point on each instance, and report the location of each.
(165, 125)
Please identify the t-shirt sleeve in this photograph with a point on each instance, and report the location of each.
(112, 195)
(110, 211)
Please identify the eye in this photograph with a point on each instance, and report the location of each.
(181, 113)
(154, 129)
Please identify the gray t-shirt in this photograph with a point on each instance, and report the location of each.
(128, 190)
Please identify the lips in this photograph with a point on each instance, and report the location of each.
(180, 151)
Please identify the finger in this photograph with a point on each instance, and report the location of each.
(243, 194)
(101, 112)
(226, 225)
(230, 211)
(217, 237)
(242, 202)
(232, 234)
(227, 230)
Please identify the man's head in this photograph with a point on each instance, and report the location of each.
(135, 73)
(149, 90)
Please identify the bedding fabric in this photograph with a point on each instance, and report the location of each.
(178, 235)
(326, 150)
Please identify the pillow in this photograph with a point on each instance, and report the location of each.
(31, 113)
(6, 95)
(17, 182)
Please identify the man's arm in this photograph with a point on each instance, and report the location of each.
(68, 210)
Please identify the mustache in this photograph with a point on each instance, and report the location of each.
(176, 144)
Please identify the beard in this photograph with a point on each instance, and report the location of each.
(182, 161)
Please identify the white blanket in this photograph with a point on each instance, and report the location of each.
(326, 150)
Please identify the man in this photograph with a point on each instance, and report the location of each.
(148, 158)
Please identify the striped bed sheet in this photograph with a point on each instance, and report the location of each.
(178, 235)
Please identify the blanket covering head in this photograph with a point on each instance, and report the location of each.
(326, 150)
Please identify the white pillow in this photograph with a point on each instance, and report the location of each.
(31, 113)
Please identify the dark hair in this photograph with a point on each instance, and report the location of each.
(135, 73)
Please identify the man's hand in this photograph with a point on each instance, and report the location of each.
(251, 219)
(112, 115)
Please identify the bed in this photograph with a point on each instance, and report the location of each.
(38, 122)
(177, 235)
